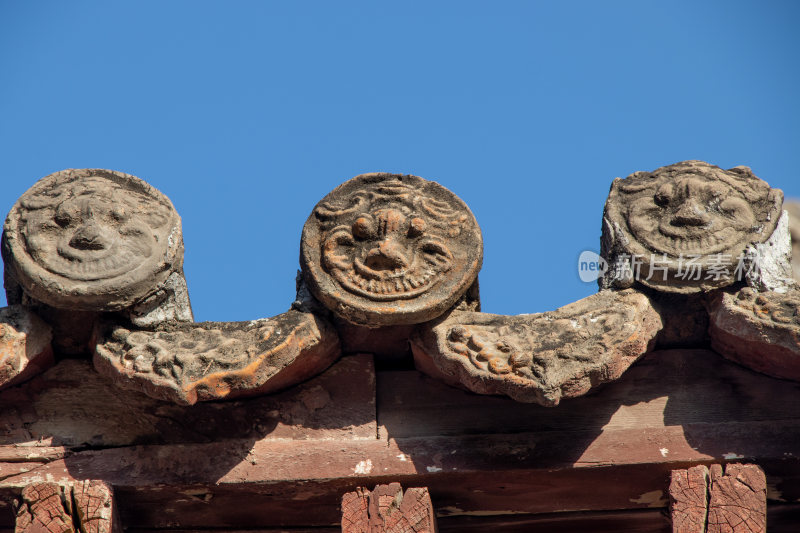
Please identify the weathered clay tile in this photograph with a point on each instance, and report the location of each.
(92, 239)
(542, 357)
(656, 222)
(81, 243)
(758, 330)
(386, 253)
(709, 246)
(793, 208)
(186, 363)
(388, 249)
(25, 348)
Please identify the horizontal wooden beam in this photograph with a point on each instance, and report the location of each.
(500, 473)
(304, 448)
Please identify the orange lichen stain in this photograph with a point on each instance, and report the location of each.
(219, 382)
(634, 337)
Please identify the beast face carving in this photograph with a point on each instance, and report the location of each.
(389, 249)
(689, 211)
(92, 239)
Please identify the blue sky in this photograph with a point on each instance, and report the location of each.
(246, 113)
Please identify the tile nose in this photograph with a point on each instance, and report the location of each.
(690, 214)
(388, 255)
(88, 237)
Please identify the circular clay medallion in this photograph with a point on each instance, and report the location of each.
(384, 249)
(686, 225)
(92, 239)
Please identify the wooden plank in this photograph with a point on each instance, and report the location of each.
(8, 470)
(72, 406)
(388, 509)
(688, 494)
(781, 518)
(274, 483)
(266, 461)
(737, 499)
(639, 521)
(665, 388)
(15, 453)
(317, 503)
(292, 530)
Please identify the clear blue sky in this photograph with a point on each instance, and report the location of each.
(246, 113)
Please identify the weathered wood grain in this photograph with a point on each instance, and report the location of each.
(638, 521)
(44, 508)
(737, 499)
(280, 530)
(665, 388)
(94, 507)
(355, 511)
(388, 509)
(782, 519)
(84, 507)
(16, 453)
(688, 495)
(719, 499)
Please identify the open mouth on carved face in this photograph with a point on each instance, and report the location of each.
(111, 253)
(695, 242)
(369, 271)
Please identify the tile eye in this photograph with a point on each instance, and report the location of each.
(364, 227)
(416, 227)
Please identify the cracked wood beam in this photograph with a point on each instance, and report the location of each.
(93, 502)
(688, 493)
(387, 509)
(732, 499)
(737, 499)
(85, 507)
(44, 508)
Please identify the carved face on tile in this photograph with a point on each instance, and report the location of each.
(387, 249)
(689, 211)
(92, 239)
